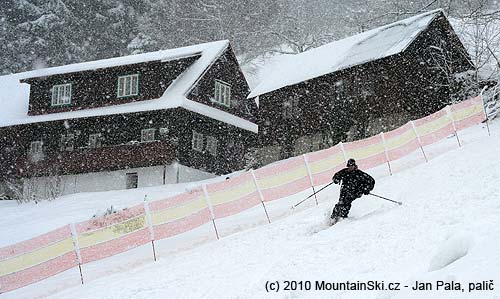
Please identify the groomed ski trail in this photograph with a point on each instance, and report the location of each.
(447, 228)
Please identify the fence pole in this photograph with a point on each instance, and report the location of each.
(261, 196)
(386, 153)
(209, 204)
(484, 108)
(450, 115)
(310, 177)
(343, 151)
(418, 139)
(150, 224)
(76, 247)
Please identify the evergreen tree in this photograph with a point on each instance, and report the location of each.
(36, 33)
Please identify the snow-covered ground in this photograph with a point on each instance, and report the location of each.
(20, 222)
(447, 230)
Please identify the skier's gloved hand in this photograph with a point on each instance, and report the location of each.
(336, 181)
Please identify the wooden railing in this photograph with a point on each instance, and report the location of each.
(106, 158)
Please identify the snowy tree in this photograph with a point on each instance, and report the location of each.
(35, 35)
(174, 23)
(40, 33)
(103, 29)
(444, 63)
(479, 29)
(478, 25)
(295, 35)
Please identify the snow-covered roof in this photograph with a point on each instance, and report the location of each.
(374, 44)
(14, 95)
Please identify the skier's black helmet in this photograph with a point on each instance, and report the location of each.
(351, 162)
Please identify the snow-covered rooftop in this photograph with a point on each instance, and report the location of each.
(14, 95)
(371, 45)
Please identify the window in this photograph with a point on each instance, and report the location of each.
(164, 134)
(95, 140)
(132, 180)
(287, 110)
(61, 94)
(195, 91)
(197, 141)
(147, 135)
(164, 131)
(67, 142)
(291, 109)
(340, 90)
(128, 85)
(212, 145)
(317, 141)
(222, 93)
(36, 148)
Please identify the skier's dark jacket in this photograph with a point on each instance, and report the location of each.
(354, 183)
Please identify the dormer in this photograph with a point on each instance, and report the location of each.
(103, 83)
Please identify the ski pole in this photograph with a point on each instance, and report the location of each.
(294, 206)
(398, 202)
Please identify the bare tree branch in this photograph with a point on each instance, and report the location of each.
(494, 56)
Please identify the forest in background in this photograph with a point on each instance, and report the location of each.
(44, 33)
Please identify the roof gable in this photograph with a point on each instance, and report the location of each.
(358, 49)
(14, 95)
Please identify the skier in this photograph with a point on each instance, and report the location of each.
(355, 183)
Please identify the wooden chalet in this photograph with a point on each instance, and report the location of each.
(359, 86)
(142, 120)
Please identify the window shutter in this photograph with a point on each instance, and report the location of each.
(120, 86)
(67, 94)
(134, 84)
(54, 96)
(217, 91)
(228, 96)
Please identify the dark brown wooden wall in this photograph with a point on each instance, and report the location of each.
(122, 134)
(91, 89)
(227, 69)
(402, 84)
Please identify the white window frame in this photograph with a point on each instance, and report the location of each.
(340, 90)
(287, 110)
(197, 141)
(164, 131)
(211, 147)
(196, 90)
(148, 135)
(316, 143)
(95, 140)
(36, 148)
(61, 94)
(67, 142)
(128, 86)
(291, 109)
(132, 180)
(222, 93)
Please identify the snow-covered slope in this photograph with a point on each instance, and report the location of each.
(448, 229)
(28, 220)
